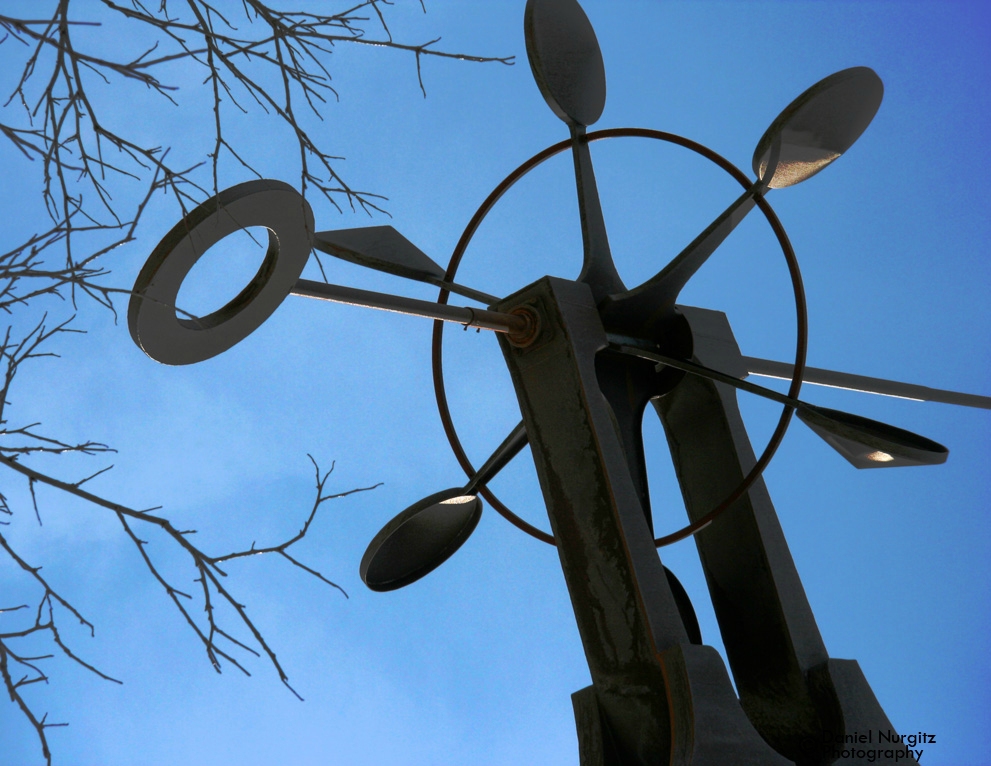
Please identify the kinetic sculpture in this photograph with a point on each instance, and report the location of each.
(586, 357)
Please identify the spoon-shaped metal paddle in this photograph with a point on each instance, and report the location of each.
(567, 66)
(809, 134)
(863, 442)
(426, 534)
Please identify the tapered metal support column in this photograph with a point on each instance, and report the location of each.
(660, 699)
(799, 699)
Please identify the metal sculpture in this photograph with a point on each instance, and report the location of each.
(586, 357)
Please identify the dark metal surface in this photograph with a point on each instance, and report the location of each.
(510, 448)
(869, 444)
(688, 617)
(379, 247)
(419, 539)
(645, 309)
(598, 269)
(820, 377)
(811, 132)
(865, 443)
(658, 696)
(469, 317)
(818, 126)
(426, 534)
(384, 249)
(151, 314)
(651, 683)
(782, 670)
(628, 384)
(565, 60)
(567, 66)
(480, 214)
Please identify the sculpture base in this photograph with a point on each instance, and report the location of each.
(709, 726)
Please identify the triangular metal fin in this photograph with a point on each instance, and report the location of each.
(381, 248)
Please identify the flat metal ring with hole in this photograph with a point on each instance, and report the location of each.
(152, 319)
(801, 318)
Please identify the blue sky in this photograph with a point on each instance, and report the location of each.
(476, 662)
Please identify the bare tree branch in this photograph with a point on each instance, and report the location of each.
(209, 576)
(95, 174)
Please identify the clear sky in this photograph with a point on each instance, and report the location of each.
(476, 663)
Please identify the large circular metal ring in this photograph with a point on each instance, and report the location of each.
(801, 343)
(151, 315)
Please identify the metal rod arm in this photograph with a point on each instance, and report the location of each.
(821, 377)
(815, 375)
(621, 344)
(654, 300)
(598, 269)
(505, 452)
(665, 286)
(469, 317)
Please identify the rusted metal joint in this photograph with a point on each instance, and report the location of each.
(527, 330)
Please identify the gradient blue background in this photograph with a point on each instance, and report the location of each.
(475, 663)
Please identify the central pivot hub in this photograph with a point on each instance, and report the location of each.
(527, 334)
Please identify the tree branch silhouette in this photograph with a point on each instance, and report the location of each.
(95, 174)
